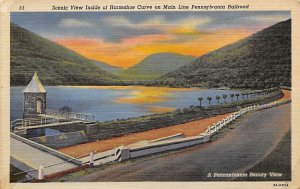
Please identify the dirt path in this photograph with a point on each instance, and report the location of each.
(188, 129)
(286, 95)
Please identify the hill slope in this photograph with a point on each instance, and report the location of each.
(109, 68)
(55, 64)
(262, 60)
(155, 65)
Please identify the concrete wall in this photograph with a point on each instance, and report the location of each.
(72, 127)
(122, 153)
(166, 146)
(176, 136)
(62, 140)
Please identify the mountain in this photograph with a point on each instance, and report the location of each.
(109, 68)
(155, 65)
(55, 64)
(262, 60)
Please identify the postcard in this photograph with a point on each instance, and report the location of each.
(122, 94)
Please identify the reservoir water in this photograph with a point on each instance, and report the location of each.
(117, 102)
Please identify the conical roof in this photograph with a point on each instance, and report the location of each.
(35, 85)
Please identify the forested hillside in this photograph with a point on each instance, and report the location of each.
(262, 60)
(55, 64)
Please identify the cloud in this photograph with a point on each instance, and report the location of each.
(190, 26)
(159, 23)
(70, 22)
(121, 21)
(182, 28)
(154, 21)
(147, 39)
(193, 22)
(268, 18)
(117, 21)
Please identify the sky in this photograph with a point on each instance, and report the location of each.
(123, 39)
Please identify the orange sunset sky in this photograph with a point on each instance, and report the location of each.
(131, 51)
(123, 39)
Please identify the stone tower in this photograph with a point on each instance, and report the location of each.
(34, 98)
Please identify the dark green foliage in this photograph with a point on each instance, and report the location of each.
(65, 109)
(218, 98)
(209, 99)
(262, 60)
(55, 64)
(200, 100)
(231, 95)
(224, 96)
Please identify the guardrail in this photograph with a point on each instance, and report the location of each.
(219, 125)
(71, 115)
(29, 122)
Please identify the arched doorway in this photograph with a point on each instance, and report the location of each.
(39, 106)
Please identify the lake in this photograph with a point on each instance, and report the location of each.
(117, 102)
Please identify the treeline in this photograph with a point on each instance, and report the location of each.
(237, 96)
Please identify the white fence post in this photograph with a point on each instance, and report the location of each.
(41, 173)
(91, 159)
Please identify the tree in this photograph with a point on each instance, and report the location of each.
(237, 96)
(243, 95)
(209, 99)
(218, 98)
(200, 100)
(231, 95)
(224, 96)
(65, 109)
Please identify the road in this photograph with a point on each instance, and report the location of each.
(241, 148)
